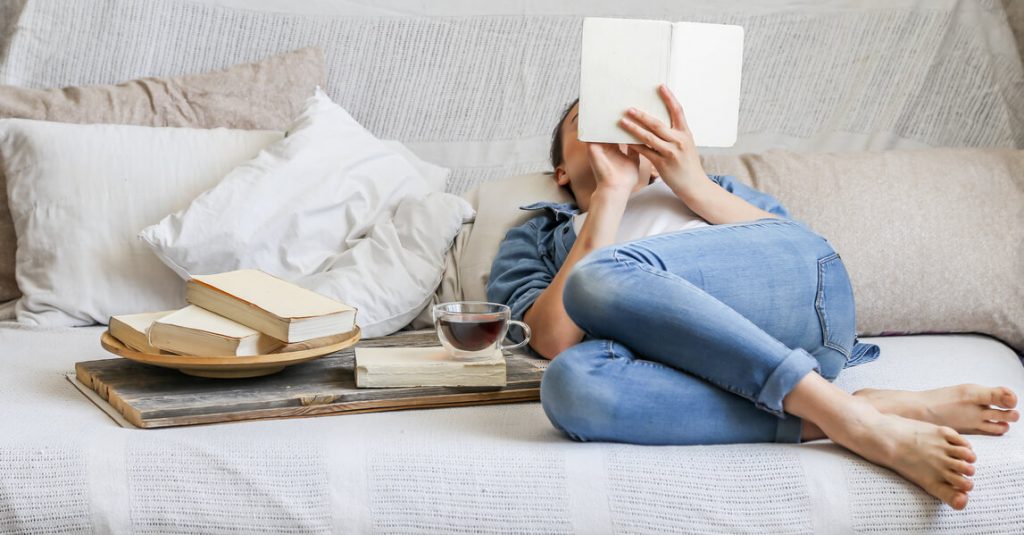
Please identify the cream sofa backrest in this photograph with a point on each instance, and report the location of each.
(478, 86)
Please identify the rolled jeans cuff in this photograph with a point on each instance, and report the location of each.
(783, 378)
(789, 429)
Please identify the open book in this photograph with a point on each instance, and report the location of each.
(624, 61)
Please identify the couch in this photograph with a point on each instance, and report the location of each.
(910, 80)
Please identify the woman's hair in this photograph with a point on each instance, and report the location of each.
(556, 138)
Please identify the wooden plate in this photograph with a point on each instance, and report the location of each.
(232, 367)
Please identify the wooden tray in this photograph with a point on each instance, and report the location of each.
(234, 367)
(153, 396)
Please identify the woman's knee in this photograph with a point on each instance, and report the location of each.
(571, 394)
(589, 291)
(830, 362)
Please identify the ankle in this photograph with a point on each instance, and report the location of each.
(856, 420)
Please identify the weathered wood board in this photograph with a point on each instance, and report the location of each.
(152, 397)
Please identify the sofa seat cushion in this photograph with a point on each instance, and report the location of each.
(491, 468)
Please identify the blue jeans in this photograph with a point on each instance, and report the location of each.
(695, 337)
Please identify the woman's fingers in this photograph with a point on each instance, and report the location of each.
(675, 110)
(652, 124)
(604, 154)
(633, 155)
(646, 151)
(646, 136)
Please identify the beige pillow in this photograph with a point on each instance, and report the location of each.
(1015, 14)
(497, 211)
(468, 262)
(933, 239)
(266, 95)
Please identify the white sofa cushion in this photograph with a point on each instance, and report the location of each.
(80, 193)
(462, 467)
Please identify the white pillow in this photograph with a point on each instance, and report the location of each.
(293, 208)
(322, 208)
(78, 195)
(391, 274)
(435, 175)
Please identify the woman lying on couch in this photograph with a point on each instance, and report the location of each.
(684, 310)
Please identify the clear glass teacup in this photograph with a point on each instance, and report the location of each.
(473, 330)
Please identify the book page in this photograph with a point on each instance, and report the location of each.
(622, 63)
(704, 75)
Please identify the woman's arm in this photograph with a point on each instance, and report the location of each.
(615, 176)
(672, 151)
(553, 330)
(716, 205)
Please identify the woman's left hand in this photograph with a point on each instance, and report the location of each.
(669, 148)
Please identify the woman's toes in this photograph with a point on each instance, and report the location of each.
(994, 428)
(959, 482)
(1004, 398)
(999, 415)
(949, 494)
(960, 467)
(953, 437)
(960, 452)
(958, 501)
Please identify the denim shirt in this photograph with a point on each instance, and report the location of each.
(531, 254)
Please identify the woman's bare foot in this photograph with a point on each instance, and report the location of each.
(966, 408)
(936, 458)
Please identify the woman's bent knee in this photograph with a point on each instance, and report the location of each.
(589, 293)
(572, 396)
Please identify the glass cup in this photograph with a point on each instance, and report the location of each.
(474, 330)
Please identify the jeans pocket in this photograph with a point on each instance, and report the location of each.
(834, 303)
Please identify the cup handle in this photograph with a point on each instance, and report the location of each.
(526, 339)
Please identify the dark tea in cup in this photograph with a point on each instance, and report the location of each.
(474, 329)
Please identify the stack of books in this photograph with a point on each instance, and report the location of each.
(242, 313)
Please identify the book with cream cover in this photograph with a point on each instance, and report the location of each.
(130, 329)
(197, 331)
(271, 305)
(624, 60)
(377, 367)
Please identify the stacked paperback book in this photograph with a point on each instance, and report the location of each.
(241, 313)
(381, 367)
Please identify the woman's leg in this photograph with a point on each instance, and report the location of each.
(749, 307)
(599, 390)
(676, 299)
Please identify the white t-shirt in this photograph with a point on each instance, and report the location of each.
(651, 210)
